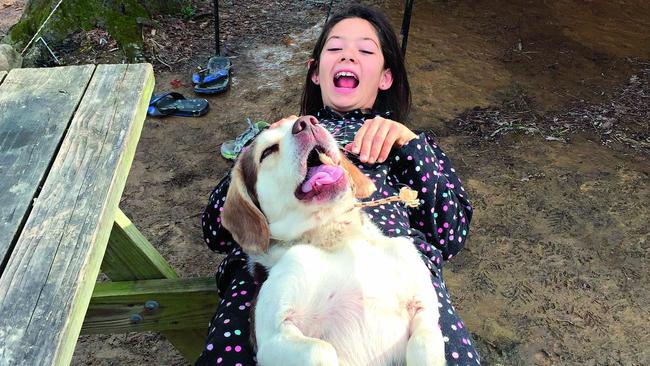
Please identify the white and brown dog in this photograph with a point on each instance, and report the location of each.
(338, 291)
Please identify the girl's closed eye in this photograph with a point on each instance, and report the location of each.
(334, 44)
(367, 46)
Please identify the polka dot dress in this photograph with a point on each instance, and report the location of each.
(438, 228)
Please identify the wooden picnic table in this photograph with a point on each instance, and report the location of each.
(68, 136)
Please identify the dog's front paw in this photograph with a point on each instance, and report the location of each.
(425, 348)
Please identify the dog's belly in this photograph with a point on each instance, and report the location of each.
(359, 298)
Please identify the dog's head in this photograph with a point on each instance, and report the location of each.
(291, 179)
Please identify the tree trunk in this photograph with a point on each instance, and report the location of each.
(122, 19)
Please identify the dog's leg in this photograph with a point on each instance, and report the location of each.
(425, 345)
(289, 347)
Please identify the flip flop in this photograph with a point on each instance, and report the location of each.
(214, 86)
(198, 78)
(218, 66)
(215, 79)
(175, 104)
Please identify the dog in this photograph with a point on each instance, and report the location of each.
(338, 291)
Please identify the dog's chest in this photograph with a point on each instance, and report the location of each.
(356, 298)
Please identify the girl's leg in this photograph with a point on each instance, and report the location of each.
(459, 346)
(228, 341)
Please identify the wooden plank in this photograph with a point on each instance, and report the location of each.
(130, 256)
(183, 303)
(36, 106)
(47, 284)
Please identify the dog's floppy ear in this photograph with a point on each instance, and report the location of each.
(362, 186)
(241, 216)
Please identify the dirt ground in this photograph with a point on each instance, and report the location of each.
(544, 108)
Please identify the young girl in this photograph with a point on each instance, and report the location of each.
(357, 87)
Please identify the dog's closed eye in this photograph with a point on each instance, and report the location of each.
(269, 150)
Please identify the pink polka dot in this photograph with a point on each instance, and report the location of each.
(244, 292)
(226, 321)
(219, 360)
(455, 355)
(228, 348)
(237, 348)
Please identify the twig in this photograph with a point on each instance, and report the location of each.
(163, 62)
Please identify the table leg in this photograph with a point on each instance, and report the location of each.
(130, 261)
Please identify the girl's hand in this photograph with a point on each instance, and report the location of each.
(291, 118)
(376, 138)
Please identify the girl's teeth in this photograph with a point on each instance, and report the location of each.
(344, 73)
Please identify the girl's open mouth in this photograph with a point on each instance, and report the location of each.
(345, 80)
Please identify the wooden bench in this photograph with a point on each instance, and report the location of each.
(67, 139)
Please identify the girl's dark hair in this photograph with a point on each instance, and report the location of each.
(397, 99)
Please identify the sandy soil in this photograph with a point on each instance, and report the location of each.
(543, 106)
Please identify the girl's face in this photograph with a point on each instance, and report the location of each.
(351, 67)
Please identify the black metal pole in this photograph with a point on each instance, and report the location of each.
(406, 23)
(329, 9)
(215, 9)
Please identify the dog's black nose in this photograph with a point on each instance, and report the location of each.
(303, 123)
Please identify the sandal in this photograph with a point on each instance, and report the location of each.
(175, 104)
(215, 79)
(231, 148)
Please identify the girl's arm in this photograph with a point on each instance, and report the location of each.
(215, 235)
(444, 213)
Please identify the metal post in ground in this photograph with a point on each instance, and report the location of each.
(215, 10)
(406, 23)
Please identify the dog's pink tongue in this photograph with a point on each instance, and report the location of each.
(320, 176)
